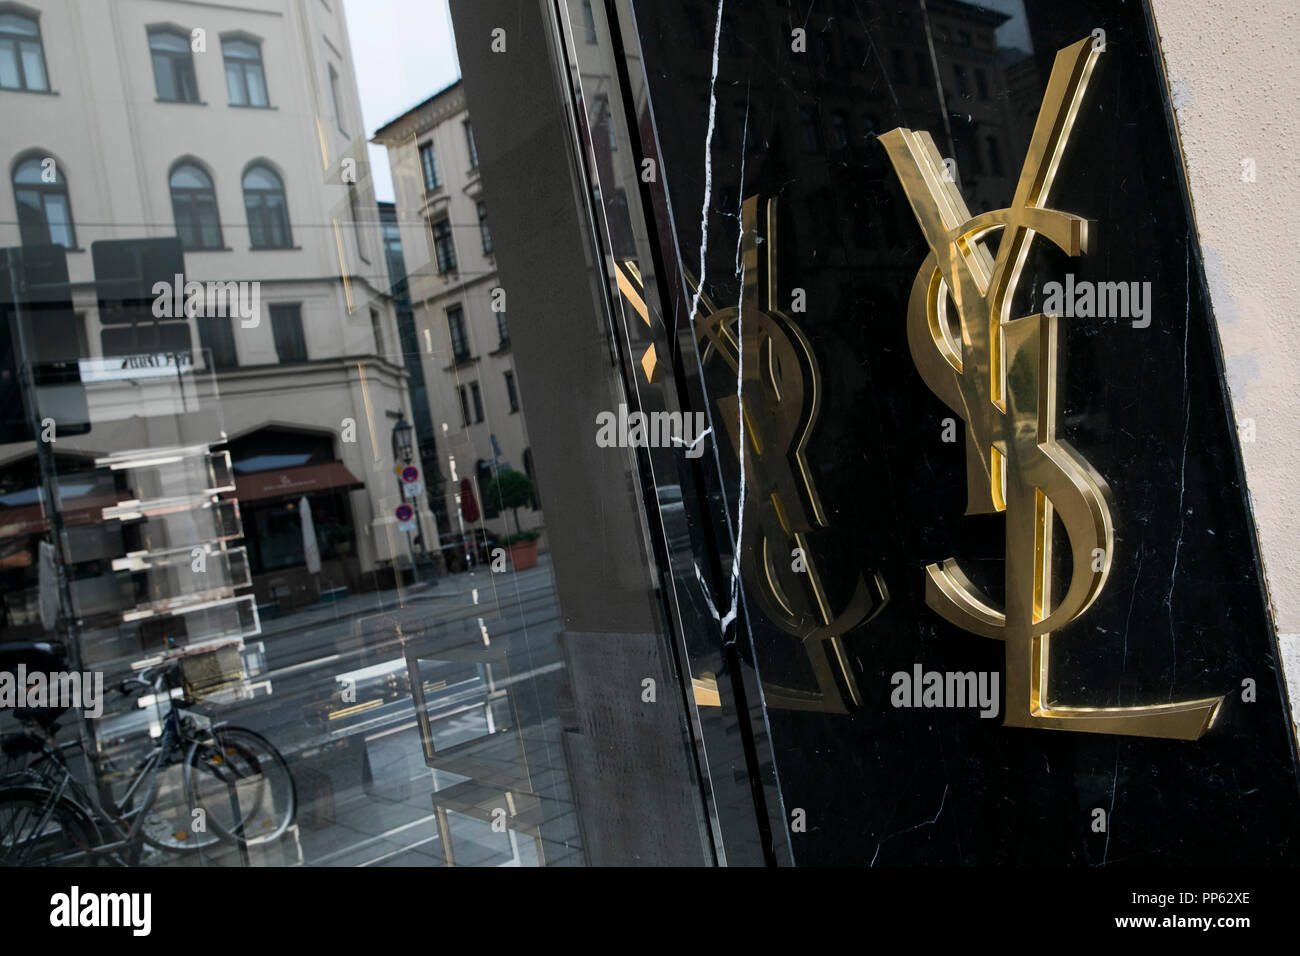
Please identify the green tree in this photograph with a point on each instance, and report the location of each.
(510, 489)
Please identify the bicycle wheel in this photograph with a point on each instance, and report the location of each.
(39, 828)
(243, 786)
(168, 821)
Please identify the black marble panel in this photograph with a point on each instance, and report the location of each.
(1142, 399)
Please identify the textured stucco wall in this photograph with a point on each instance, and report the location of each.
(1233, 82)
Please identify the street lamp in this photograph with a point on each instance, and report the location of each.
(403, 444)
(403, 439)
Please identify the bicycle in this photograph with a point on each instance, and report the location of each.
(234, 788)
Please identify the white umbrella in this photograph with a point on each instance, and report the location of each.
(310, 549)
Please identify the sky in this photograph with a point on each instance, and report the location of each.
(404, 51)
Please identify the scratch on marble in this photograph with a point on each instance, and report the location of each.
(924, 823)
(1182, 478)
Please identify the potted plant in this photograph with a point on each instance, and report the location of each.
(523, 549)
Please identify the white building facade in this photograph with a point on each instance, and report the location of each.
(238, 129)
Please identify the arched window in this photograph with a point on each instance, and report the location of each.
(268, 211)
(22, 58)
(194, 207)
(173, 65)
(41, 194)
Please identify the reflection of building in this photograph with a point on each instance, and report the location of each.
(460, 310)
(235, 129)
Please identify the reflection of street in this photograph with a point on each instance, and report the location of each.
(364, 790)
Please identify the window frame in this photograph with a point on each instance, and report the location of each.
(205, 325)
(174, 57)
(191, 192)
(485, 234)
(16, 42)
(470, 144)
(261, 213)
(512, 390)
(450, 264)
(334, 98)
(280, 312)
(42, 191)
(244, 64)
(458, 333)
(429, 169)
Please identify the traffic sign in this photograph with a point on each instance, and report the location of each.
(404, 513)
(410, 473)
(413, 490)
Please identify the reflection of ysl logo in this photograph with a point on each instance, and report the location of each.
(1000, 377)
(781, 388)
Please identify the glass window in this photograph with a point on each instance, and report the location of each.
(469, 142)
(429, 166)
(588, 22)
(982, 83)
(217, 337)
(194, 207)
(483, 232)
(377, 329)
(511, 394)
(173, 66)
(812, 130)
(899, 64)
(267, 209)
(245, 77)
(286, 330)
(503, 330)
(444, 249)
(995, 156)
(959, 74)
(44, 212)
(477, 395)
(22, 57)
(464, 407)
(358, 229)
(334, 99)
(839, 130)
(459, 339)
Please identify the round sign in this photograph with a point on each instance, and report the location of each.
(404, 513)
(410, 473)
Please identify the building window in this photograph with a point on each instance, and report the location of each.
(218, 339)
(588, 21)
(812, 130)
(959, 73)
(963, 38)
(464, 407)
(511, 394)
(194, 207)
(44, 212)
(286, 329)
(603, 119)
(358, 231)
(982, 83)
(995, 156)
(22, 57)
(469, 142)
(267, 209)
(503, 330)
(444, 249)
(923, 68)
(245, 77)
(459, 338)
(334, 98)
(839, 130)
(899, 64)
(430, 167)
(173, 66)
(378, 331)
(483, 229)
(478, 401)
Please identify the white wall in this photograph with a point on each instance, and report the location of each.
(1236, 96)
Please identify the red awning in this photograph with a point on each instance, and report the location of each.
(292, 482)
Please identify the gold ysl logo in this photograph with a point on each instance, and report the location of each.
(780, 398)
(1001, 379)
